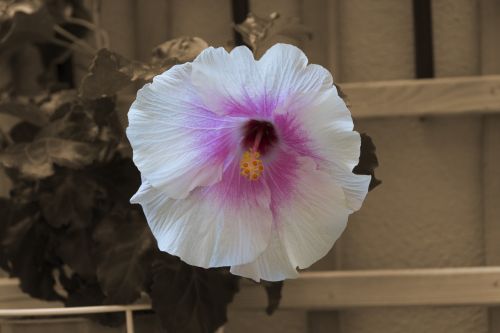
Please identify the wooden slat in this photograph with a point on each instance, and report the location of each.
(479, 94)
(467, 95)
(347, 289)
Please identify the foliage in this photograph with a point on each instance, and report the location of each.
(68, 231)
(260, 32)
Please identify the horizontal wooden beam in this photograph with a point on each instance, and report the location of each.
(424, 97)
(348, 289)
(446, 96)
(72, 311)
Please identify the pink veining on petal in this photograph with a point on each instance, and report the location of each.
(223, 142)
(281, 177)
(293, 136)
(234, 190)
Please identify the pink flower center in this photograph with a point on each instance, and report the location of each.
(259, 137)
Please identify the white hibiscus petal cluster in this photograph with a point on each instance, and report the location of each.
(246, 163)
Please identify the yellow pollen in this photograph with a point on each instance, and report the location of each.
(250, 165)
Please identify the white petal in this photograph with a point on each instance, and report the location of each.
(226, 79)
(330, 127)
(272, 265)
(212, 227)
(287, 77)
(308, 224)
(177, 144)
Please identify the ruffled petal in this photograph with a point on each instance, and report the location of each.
(272, 265)
(289, 80)
(236, 84)
(329, 128)
(178, 144)
(228, 82)
(308, 221)
(226, 224)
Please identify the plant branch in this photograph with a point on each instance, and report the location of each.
(66, 34)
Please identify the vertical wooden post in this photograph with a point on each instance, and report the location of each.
(118, 18)
(490, 64)
(491, 198)
(489, 39)
(152, 26)
(333, 39)
(129, 318)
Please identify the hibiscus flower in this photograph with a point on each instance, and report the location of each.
(246, 163)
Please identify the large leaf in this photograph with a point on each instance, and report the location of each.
(74, 125)
(105, 77)
(124, 249)
(368, 161)
(23, 132)
(82, 292)
(180, 50)
(110, 72)
(25, 111)
(119, 177)
(29, 246)
(5, 216)
(76, 249)
(24, 21)
(261, 32)
(57, 100)
(35, 160)
(190, 299)
(68, 199)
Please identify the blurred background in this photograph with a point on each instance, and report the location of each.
(420, 79)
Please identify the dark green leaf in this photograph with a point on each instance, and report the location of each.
(82, 292)
(25, 111)
(119, 177)
(87, 292)
(5, 216)
(180, 50)
(368, 161)
(32, 162)
(124, 247)
(255, 28)
(189, 299)
(57, 100)
(77, 126)
(75, 248)
(35, 160)
(24, 21)
(105, 77)
(68, 200)
(260, 32)
(23, 132)
(29, 246)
